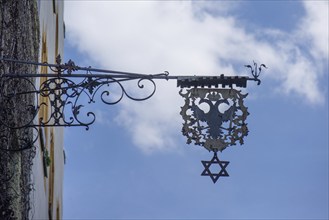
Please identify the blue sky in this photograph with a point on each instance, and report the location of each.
(134, 163)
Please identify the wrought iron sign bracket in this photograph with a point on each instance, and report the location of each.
(65, 90)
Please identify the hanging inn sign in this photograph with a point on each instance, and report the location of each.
(214, 113)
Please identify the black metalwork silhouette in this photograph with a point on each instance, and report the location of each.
(67, 88)
(255, 72)
(64, 91)
(213, 175)
(215, 118)
(65, 94)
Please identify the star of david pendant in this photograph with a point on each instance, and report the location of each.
(215, 176)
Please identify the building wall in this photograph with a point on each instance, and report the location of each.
(19, 39)
(31, 175)
(48, 165)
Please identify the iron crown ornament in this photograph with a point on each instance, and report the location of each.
(214, 118)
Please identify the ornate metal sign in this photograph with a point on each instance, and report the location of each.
(214, 118)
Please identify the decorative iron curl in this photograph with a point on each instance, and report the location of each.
(141, 86)
(255, 72)
(60, 93)
(92, 86)
(21, 139)
(9, 97)
(63, 95)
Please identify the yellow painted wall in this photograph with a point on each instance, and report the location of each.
(47, 198)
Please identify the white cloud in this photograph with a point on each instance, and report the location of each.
(186, 38)
(315, 27)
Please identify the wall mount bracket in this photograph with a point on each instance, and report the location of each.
(66, 88)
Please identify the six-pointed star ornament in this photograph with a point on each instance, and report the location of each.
(221, 164)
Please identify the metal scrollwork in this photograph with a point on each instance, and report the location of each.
(14, 91)
(214, 118)
(64, 96)
(59, 98)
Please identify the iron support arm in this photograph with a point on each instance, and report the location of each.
(66, 70)
(66, 90)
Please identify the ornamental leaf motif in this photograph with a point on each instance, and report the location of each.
(221, 124)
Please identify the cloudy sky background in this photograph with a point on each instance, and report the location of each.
(134, 163)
